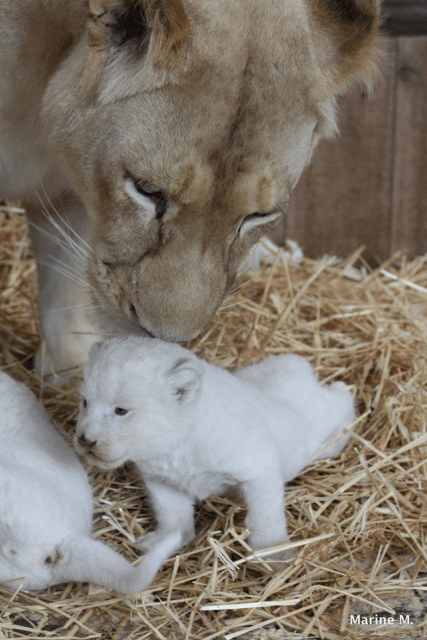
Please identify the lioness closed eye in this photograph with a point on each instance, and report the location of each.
(164, 137)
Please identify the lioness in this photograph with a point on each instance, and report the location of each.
(165, 137)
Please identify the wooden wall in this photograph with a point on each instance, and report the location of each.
(369, 186)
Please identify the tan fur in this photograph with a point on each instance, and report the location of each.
(213, 105)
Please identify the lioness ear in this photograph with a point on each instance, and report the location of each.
(161, 25)
(348, 42)
(184, 381)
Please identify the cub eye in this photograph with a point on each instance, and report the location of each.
(136, 188)
(119, 411)
(256, 219)
(84, 403)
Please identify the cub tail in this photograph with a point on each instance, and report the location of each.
(87, 560)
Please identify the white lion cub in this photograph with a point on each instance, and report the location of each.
(46, 507)
(194, 429)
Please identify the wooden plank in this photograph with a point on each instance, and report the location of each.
(405, 17)
(409, 211)
(343, 199)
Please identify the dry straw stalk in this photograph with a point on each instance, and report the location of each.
(357, 523)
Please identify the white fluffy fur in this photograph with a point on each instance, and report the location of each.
(46, 507)
(194, 429)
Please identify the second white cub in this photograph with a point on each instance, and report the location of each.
(46, 507)
(194, 429)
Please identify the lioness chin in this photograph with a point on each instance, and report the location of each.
(164, 137)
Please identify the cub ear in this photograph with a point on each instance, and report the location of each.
(184, 381)
(161, 26)
(348, 40)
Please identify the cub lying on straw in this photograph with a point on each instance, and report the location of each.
(194, 429)
(46, 507)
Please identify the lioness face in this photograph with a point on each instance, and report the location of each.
(178, 191)
(185, 160)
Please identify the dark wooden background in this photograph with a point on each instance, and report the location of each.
(369, 186)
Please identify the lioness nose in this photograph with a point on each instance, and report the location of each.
(85, 443)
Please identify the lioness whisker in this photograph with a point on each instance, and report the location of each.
(69, 241)
(245, 266)
(81, 307)
(79, 259)
(50, 236)
(225, 307)
(66, 271)
(77, 272)
(83, 247)
(240, 285)
(78, 243)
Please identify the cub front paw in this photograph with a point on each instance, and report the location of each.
(275, 557)
(151, 540)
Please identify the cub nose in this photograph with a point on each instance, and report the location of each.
(85, 443)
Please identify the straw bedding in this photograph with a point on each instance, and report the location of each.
(357, 523)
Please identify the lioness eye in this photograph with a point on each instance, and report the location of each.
(119, 411)
(256, 219)
(150, 195)
(149, 191)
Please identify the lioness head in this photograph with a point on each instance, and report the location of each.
(185, 125)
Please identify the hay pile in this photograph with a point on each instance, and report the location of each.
(357, 523)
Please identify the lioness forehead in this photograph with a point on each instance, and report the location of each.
(241, 104)
(247, 188)
(245, 150)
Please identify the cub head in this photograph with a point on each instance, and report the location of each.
(184, 126)
(138, 397)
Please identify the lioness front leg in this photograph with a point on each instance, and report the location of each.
(174, 512)
(59, 238)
